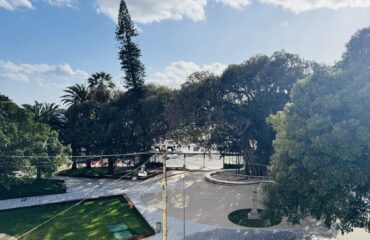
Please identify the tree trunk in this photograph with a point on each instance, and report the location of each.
(74, 164)
(248, 160)
(111, 161)
(38, 174)
(88, 164)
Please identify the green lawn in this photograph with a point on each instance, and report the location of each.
(239, 217)
(28, 188)
(89, 220)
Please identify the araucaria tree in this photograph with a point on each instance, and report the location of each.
(321, 163)
(129, 53)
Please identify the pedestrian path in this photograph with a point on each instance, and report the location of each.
(79, 188)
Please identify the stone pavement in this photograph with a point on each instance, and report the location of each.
(77, 189)
(207, 207)
(208, 225)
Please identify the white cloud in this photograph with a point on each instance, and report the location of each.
(237, 4)
(298, 6)
(13, 4)
(41, 74)
(62, 3)
(149, 11)
(177, 73)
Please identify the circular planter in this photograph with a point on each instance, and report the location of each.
(239, 217)
(209, 176)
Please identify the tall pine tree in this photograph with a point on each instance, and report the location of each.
(129, 52)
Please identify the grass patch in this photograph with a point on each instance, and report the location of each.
(239, 217)
(32, 187)
(89, 220)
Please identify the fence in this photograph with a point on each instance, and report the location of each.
(179, 160)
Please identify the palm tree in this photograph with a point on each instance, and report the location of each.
(48, 113)
(101, 86)
(76, 94)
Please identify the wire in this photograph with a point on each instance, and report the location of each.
(76, 204)
(109, 155)
(45, 163)
(78, 156)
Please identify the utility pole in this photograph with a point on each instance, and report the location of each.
(183, 202)
(164, 199)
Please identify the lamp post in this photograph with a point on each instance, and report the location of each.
(164, 199)
(183, 202)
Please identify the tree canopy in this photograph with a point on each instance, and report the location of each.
(321, 163)
(230, 110)
(26, 145)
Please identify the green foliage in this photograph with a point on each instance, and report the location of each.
(32, 187)
(230, 110)
(239, 217)
(321, 161)
(47, 113)
(127, 130)
(357, 55)
(88, 220)
(101, 86)
(129, 53)
(123, 124)
(23, 136)
(77, 94)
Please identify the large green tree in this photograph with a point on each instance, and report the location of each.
(251, 92)
(129, 53)
(83, 126)
(26, 146)
(121, 132)
(230, 110)
(321, 162)
(13, 121)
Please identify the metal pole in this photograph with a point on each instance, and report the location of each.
(204, 160)
(183, 202)
(164, 199)
(184, 161)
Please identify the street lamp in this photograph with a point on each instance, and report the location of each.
(183, 202)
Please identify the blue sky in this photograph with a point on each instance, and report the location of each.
(47, 45)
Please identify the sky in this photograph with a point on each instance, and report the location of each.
(48, 45)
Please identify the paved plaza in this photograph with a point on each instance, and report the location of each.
(207, 206)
